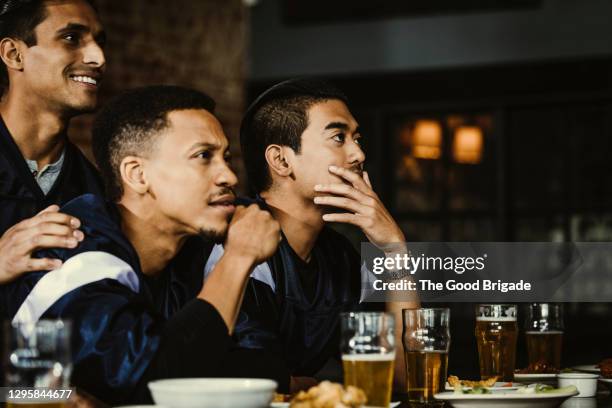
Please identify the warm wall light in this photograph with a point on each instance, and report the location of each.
(467, 145)
(426, 139)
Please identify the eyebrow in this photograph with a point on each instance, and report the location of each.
(340, 126)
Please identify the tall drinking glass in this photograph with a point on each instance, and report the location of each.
(496, 334)
(37, 357)
(368, 354)
(544, 335)
(426, 338)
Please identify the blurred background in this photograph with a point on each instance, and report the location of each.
(484, 120)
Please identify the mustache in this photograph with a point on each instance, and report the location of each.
(223, 192)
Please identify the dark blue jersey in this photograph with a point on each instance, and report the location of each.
(292, 308)
(129, 328)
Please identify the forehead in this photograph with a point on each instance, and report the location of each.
(59, 13)
(331, 111)
(191, 126)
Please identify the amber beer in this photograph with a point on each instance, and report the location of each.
(544, 350)
(426, 372)
(496, 339)
(373, 373)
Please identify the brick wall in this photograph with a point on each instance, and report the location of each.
(195, 43)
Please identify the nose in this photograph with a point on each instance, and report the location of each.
(226, 177)
(355, 154)
(93, 55)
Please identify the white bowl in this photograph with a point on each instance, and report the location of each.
(585, 383)
(213, 392)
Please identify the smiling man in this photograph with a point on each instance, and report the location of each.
(303, 155)
(133, 287)
(52, 62)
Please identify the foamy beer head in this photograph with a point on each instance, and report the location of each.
(368, 354)
(496, 333)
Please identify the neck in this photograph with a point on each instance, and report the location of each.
(39, 133)
(300, 220)
(155, 244)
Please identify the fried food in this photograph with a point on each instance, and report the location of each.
(606, 368)
(540, 367)
(453, 380)
(329, 395)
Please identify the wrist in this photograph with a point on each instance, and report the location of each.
(239, 258)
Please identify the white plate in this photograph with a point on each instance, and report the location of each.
(505, 399)
(497, 387)
(587, 368)
(536, 378)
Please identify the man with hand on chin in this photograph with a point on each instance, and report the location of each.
(301, 148)
(51, 65)
(133, 288)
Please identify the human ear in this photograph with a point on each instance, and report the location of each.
(278, 162)
(11, 54)
(133, 174)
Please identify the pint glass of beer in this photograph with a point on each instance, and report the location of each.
(426, 338)
(37, 356)
(368, 354)
(496, 334)
(544, 335)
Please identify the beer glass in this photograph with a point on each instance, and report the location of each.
(368, 354)
(426, 338)
(544, 335)
(37, 356)
(496, 334)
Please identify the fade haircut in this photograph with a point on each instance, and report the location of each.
(279, 116)
(130, 123)
(18, 20)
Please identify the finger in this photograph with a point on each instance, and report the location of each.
(51, 228)
(355, 179)
(366, 178)
(46, 241)
(343, 190)
(49, 216)
(341, 202)
(51, 208)
(42, 264)
(345, 218)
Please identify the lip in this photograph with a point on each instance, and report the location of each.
(93, 75)
(224, 203)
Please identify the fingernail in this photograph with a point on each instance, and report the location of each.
(333, 168)
(325, 217)
(317, 199)
(57, 263)
(78, 235)
(75, 223)
(71, 242)
(318, 187)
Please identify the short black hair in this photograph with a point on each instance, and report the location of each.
(279, 116)
(18, 20)
(128, 124)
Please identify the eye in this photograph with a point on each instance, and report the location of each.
(205, 155)
(340, 138)
(357, 139)
(71, 38)
(228, 158)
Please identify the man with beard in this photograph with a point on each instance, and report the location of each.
(52, 62)
(302, 152)
(133, 288)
